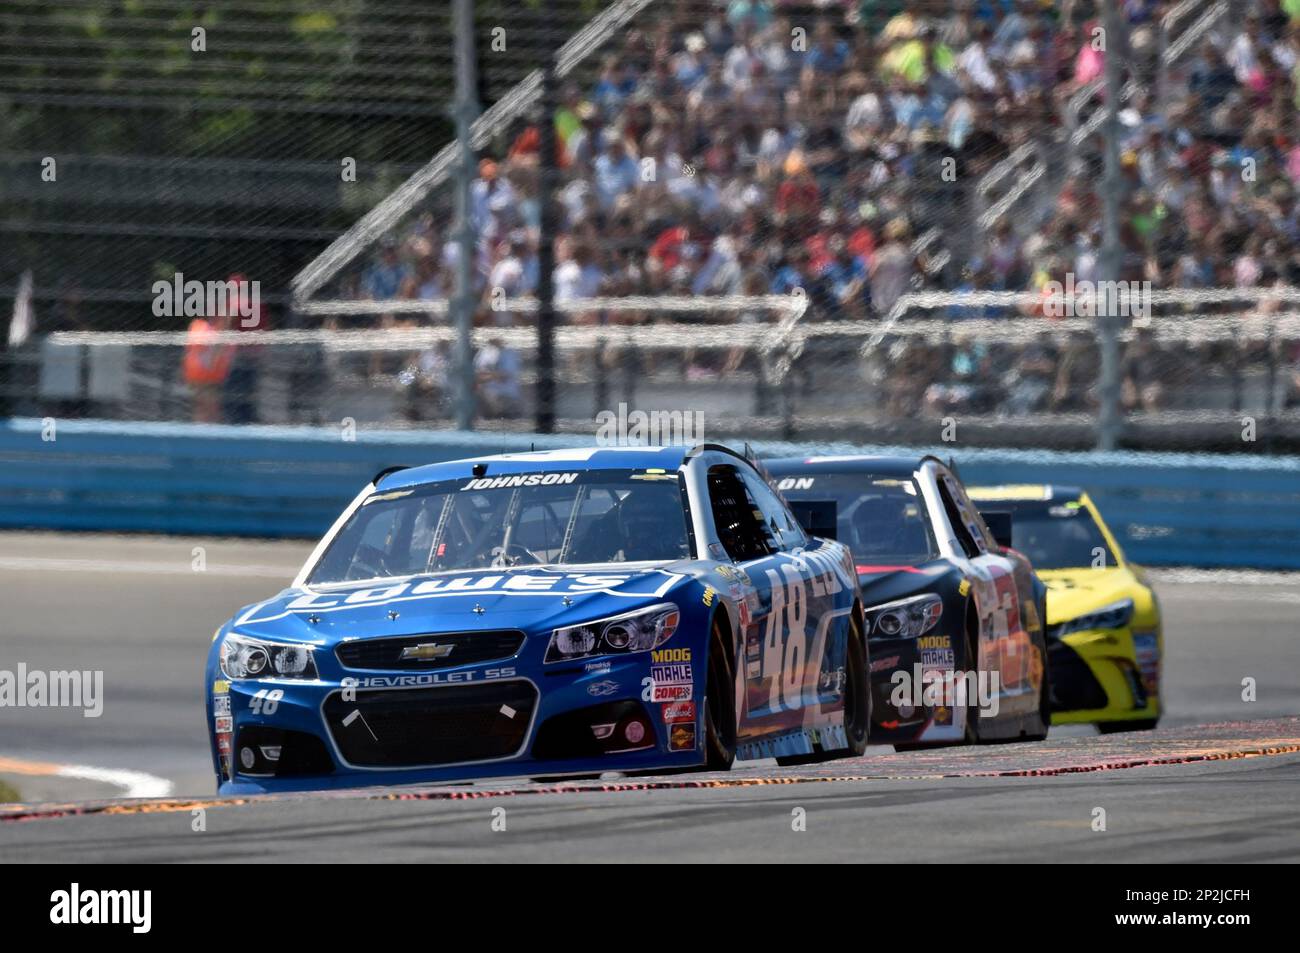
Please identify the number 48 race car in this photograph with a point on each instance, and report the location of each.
(554, 613)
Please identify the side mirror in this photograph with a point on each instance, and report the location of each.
(999, 524)
(817, 517)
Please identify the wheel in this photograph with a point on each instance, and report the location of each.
(1138, 724)
(857, 706)
(857, 693)
(720, 701)
(971, 733)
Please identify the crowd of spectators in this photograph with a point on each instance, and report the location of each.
(750, 147)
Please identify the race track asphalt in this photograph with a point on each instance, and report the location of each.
(139, 609)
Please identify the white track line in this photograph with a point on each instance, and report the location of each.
(132, 783)
(1227, 577)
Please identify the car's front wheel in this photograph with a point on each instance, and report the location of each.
(720, 700)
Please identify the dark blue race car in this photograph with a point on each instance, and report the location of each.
(553, 613)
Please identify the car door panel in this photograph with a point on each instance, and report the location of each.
(795, 636)
(1006, 646)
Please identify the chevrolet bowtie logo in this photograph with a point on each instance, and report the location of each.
(426, 650)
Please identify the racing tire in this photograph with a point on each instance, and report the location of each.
(719, 701)
(857, 706)
(971, 732)
(1137, 724)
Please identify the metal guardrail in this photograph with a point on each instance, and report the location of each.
(1168, 509)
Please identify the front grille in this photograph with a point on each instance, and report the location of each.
(453, 648)
(1074, 687)
(427, 726)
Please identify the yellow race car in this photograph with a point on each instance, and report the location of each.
(1104, 643)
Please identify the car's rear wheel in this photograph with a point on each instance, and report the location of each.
(857, 692)
(857, 705)
(720, 700)
(971, 734)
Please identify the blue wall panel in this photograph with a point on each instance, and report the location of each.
(1168, 509)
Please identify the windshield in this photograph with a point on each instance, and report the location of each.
(499, 522)
(881, 520)
(1057, 535)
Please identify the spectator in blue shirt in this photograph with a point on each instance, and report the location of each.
(616, 172)
(847, 282)
(385, 277)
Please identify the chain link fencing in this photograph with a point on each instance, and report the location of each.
(850, 220)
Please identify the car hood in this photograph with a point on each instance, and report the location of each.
(521, 598)
(885, 582)
(1075, 592)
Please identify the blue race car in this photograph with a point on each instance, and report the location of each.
(546, 614)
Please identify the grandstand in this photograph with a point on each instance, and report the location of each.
(839, 218)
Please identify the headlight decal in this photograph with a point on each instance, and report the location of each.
(1114, 616)
(905, 618)
(624, 634)
(244, 657)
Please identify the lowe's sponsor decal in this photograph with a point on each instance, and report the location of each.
(636, 585)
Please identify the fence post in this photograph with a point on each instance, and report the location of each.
(548, 174)
(762, 392)
(631, 362)
(466, 112)
(1109, 418)
(600, 377)
(787, 405)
